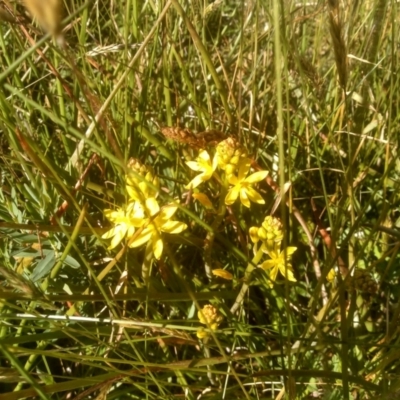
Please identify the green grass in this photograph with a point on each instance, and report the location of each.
(311, 90)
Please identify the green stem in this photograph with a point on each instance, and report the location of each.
(247, 274)
(211, 233)
(24, 370)
(148, 258)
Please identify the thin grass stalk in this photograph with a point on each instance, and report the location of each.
(207, 59)
(378, 24)
(23, 372)
(279, 64)
(338, 41)
(38, 44)
(178, 272)
(68, 128)
(166, 77)
(118, 85)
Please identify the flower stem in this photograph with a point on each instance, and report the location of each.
(148, 257)
(211, 234)
(247, 275)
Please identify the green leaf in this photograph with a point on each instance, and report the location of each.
(43, 267)
(72, 262)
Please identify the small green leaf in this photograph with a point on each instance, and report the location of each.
(72, 262)
(43, 267)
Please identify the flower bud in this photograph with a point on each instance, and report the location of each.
(229, 152)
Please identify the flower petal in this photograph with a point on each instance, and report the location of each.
(204, 200)
(145, 188)
(133, 193)
(215, 162)
(201, 333)
(117, 239)
(173, 227)
(331, 275)
(114, 215)
(233, 180)
(232, 195)
(168, 211)
(136, 222)
(272, 251)
(196, 181)
(142, 237)
(204, 156)
(244, 167)
(290, 250)
(290, 276)
(193, 165)
(268, 264)
(130, 232)
(157, 246)
(244, 198)
(273, 274)
(152, 206)
(287, 272)
(135, 210)
(253, 232)
(257, 177)
(254, 196)
(112, 232)
(222, 273)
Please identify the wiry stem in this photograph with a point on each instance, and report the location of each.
(247, 274)
(148, 258)
(209, 241)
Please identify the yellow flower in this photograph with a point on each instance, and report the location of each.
(125, 221)
(279, 262)
(331, 275)
(201, 333)
(244, 186)
(157, 221)
(203, 163)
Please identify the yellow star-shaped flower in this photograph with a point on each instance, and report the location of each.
(243, 186)
(203, 164)
(279, 263)
(158, 220)
(125, 221)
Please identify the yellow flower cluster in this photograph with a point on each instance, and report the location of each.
(229, 153)
(142, 220)
(230, 157)
(270, 231)
(270, 234)
(209, 316)
(141, 181)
